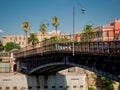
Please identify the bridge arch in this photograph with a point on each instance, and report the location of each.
(103, 64)
(51, 68)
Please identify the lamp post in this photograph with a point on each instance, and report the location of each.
(83, 10)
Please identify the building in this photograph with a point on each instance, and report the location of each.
(108, 32)
(7, 62)
(21, 39)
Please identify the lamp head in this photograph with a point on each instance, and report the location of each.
(83, 10)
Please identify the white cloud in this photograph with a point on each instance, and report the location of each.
(1, 30)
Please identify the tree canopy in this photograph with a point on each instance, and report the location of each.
(91, 88)
(26, 26)
(1, 46)
(87, 34)
(55, 22)
(33, 39)
(43, 28)
(107, 84)
(10, 45)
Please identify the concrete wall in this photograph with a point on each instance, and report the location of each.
(11, 81)
(16, 81)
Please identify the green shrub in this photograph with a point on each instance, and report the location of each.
(92, 88)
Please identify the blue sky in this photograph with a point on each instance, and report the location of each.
(14, 12)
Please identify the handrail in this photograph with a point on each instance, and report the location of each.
(111, 47)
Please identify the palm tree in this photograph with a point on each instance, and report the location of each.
(43, 29)
(88, 33)
(55, 22)
(1, 46)
(33, 39)
(26, 28)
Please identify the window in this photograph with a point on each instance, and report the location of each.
(107, 33)
(22, 43)
(97, 34)
(7, 88)
(74, 86)
(81, 86)
(100, 34)
(15, 38)
(29, 87)
(67, 86)
(19, 38)
(10, 38)
(45, 87)
(61, 86)
(4, 37)
(53, 86)
(38, 87)
(15, 88)
(24, 38)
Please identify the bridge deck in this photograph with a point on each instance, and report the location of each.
(100, 57)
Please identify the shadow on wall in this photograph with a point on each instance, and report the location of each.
(51, 82)
(57, 82)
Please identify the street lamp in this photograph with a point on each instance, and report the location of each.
(82, 10)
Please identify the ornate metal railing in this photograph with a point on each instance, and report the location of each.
(111, 47)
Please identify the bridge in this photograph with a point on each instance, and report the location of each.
(100, 57)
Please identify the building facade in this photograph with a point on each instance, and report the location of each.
(107, 32)
(19, 39)
(7, 62)
(22, 40)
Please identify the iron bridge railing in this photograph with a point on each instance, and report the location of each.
(111, 47)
